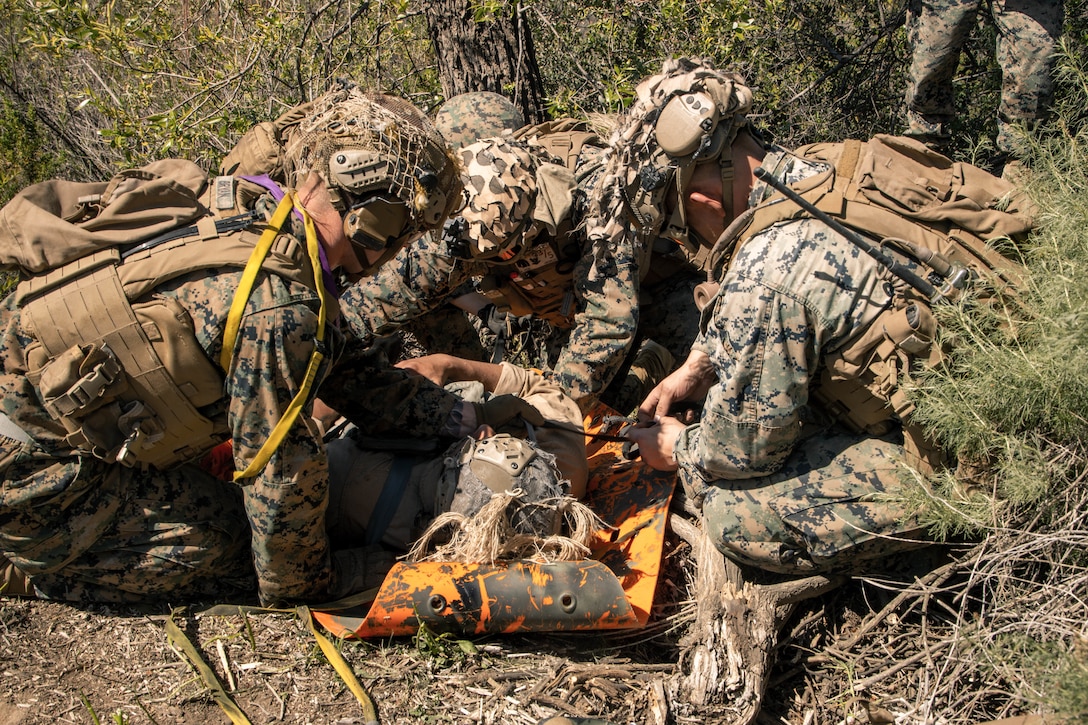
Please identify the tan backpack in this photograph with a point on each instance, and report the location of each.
(916, 205)
(121, 370)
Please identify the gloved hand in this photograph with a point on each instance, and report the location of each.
(493, 318)
(501, 409)
(356, 570)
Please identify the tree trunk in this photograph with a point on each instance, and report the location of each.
(495, 54)
(729, 650)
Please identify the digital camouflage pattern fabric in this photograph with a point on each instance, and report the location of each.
(470, 117)
(792, 294)
(625, 218)
(1027, 37)
(61, 513)
(594, 320)
(87, 529)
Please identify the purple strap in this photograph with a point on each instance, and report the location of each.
(266, 182)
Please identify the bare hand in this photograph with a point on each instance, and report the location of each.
(657, 442)
(690, 381)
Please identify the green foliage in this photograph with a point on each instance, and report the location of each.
(22, 140)
(443, 650)
(1014, 396)
(817, 72)
(1048, 674)
(123, 83)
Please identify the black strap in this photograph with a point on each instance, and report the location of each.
(396, 483)
(223, 226)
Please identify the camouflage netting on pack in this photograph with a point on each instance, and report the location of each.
(499, 176)
(419, 169)
(639, 174)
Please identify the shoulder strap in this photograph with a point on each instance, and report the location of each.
(234, 318)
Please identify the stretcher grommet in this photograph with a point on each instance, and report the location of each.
(568, 602)
(437, 603)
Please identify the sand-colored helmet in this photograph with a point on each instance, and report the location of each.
(500, 188)
(469, 117)
(476, 470)
(388, 169)
(686, 115)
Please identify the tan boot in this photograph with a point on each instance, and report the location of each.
(651, 365)
(13, 582)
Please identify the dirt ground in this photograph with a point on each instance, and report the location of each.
(67, 664)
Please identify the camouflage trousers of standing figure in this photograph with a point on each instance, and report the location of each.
(1027, 36)
(166, 535)
(834, 504)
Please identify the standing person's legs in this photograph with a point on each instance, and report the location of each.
(937, 30)
(1028, 32)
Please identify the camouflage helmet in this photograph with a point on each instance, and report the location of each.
(388, 170)
(502, 464)
(469, 117)
(500, 187)
(684, 116)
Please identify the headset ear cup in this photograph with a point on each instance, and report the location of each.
(376, 222)
(684, 124)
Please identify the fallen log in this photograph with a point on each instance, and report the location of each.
(728, 652)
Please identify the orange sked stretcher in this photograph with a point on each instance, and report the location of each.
(612, 589)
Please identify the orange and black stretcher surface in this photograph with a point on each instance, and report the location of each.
(612, 589)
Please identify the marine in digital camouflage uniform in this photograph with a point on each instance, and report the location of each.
(523, 220)
(88, 529)
(1027, 38)
(391, 400)
(781, 487)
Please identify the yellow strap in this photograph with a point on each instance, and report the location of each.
(370, 713)
(249, 275)
(211, 680)
(234, 318)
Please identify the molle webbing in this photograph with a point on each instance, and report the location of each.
(165, 427)
(84, 305)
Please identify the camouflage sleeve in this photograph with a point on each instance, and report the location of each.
(758, 341)
(606, 283)
(381, 399)
(286, 501)
(792, 293)
(420, 278)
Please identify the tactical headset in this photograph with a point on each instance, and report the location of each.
(375, 219)
(691, 130)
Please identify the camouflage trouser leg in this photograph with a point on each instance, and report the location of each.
(179, 534)
(672, 319)
(937, 30)
(1028, 32)
(833, 504)
(448, 329)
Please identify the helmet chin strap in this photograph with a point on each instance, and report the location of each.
(728, 174)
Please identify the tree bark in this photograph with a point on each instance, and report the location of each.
(495, 54)
(728, 653)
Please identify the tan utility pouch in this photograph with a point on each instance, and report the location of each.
(124, 380)
(861, 383)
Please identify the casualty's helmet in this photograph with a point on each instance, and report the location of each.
(686, 115)
(504, 464)
(388, 169)
(469, 117)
